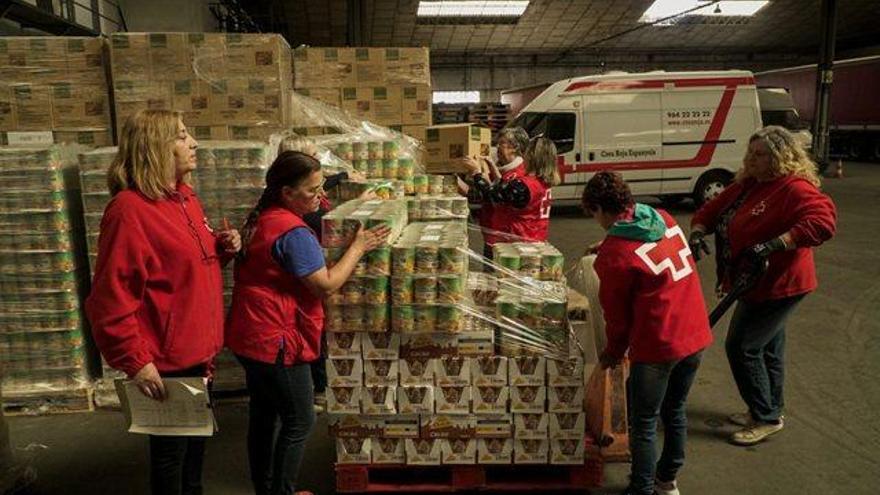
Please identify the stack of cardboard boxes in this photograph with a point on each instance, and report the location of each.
(53, 89)
(229, 86)
(387, 86)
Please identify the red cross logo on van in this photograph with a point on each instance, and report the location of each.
(669, 253)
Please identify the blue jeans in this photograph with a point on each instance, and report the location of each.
(284, 392)
(658, 390)
(755, 349)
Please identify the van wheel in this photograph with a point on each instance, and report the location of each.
(710, 185)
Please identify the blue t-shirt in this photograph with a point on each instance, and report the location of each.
(298, 252)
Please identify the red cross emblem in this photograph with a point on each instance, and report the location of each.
(669, 253)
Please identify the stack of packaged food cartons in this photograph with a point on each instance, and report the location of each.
(538, 260)
(41, 338)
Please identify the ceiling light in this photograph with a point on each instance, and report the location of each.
(472, 8)
(662, 9)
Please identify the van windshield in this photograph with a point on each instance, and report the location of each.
(558, 127)
(785, 118)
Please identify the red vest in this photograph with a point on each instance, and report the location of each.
(490, 220)
(271, 307)
(532, 222)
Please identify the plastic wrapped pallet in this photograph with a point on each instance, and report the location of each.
(53, 89)
(41, 327)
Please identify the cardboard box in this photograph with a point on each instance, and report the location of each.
(416, 105)
(568, 372)
(494, 426)
(388, 450)
(170, 58)
(428, 345)
(344, 400)
(380, 400)
(454, 399)
(381, 345)
(422, 451)
(354, 425)
(458, 451)
(531, 425)
(387, 105)
(192, 98)
(85, 60)
(345, 372)
(401, 426)
(446, 144)
(79, 105)
(415, 131)
(565, 398)
(490, 370)
(415, 399)
(491, 399)
(417, 371)
(353, 450)
(344, 345)
(323, 67)
(88, 137)
(407, 66)
(252, 133)
(567, 451)
(380, 372)
(528, 370)
(33, 107)
(567, 425)
(477, 343)
(358, 102)
(330, 96)
(494, 450)
(527, 398)
(209, 132)
(448, 426)
(369, 66)
(453, 370)
(8, 120)
(130, 57)
(531, 451)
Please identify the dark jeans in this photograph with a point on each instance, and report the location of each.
(658, 390)
(278, 391)
(176, 462)
(319, 367)
(755, 348)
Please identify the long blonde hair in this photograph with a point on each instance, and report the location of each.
(145, 160)
(298, 143)
(787, 156)
(541, 161)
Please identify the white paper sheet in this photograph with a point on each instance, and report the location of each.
(186, 411)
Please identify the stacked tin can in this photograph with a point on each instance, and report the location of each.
(538, 260)
(41, 339)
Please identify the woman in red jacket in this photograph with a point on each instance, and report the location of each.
(156, 306)
(277, 315)
(773, 213)
(653, 304)
(520, 204)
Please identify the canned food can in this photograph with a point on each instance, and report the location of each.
(460, 207)
(353, 318)
(425, 319)
(376, 318)
(427, 259)
(435, 185)
(450, 289)
(374, 150)
(443, 207)
(510, 261)
(409, 186)
(552, 267)
(403, 319)
(429, 208)
(389, 168)
(406, 168)
(425, 290)
(374, 168)
(507, 310)
(362, 166)
(352, 291)
(375, 290)
(391, 149)
(333, 318)
(420, 184)
(452, 260)
(403, 260)
(402, 289)
(345, 151)
(414, 209)
(379, 261)
(450, 319)
(359, 150)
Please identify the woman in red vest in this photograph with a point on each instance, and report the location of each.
(277, 316)
(520, 204)
(156, 306)
(773, 213)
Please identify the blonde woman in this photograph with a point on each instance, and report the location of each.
(773, 214)
(521, 205)
(156, 306)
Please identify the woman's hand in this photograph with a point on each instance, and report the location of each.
(365, 240)
(150, 383)
(229, 239)
(368, 195)
(471, 165)
(608, 361)
(356, 176)
(699, 246)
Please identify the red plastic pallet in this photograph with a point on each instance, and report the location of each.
(394, 478)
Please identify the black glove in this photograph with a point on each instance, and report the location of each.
(762, 250)
(698, 244)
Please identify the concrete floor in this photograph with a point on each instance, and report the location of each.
(831, 443)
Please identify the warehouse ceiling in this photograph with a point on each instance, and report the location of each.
(569, 27)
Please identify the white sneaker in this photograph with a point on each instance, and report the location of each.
(745, 419)
(665, 488)
(755, 433)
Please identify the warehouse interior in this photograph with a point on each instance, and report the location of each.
(465, 70)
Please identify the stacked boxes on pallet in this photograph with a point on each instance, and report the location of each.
(229, 86)
(388, 86)
(53, 89)
(41, 339)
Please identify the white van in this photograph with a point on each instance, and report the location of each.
(671, 134)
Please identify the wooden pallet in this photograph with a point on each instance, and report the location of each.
(50, 402)
(394, 478)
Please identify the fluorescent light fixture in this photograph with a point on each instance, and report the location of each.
(472, 8)
(456, 97)
(661, 9)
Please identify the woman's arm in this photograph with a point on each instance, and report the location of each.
(513, 192)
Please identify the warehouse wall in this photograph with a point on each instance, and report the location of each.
(491, 75)
(168, 15)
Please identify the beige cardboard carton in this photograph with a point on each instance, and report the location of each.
(416, 105)
(209, 132)
(88, 137)
(527, 399)
(344, 344)
(565, 398)
(358, 102)
(568, 425)
(491, 399)
(415, 399)
(446, 144)
(388, 450)
(455, 399)
(568, 372)
(407, 66)
(353, 450)
(531, 425)
(369, 66)
(170, 58)
(448, 426)
(330, 96)
(494, 451)
(416, 131)
(33, 106)
(423, 451)
(387, 105)
(417, 371)
(531, 450)
(431, 345)
(528, 370)
(344, 400)
(458, 451)
(453, 370)
(490, 370)
(345, 372)
(380, 400)
(381, 345)
(380, 372)
(130, 57)
(401, 426)
(494, 426)
(567, 451)
(355, 425)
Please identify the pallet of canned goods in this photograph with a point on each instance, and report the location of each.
(340, 225)
(434, 208)
(41, 342)
(539, 260)
(532, 318)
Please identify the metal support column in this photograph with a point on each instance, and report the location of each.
(824, 78)
(354, 17)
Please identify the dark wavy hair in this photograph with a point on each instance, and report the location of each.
(609, 191)
(291, 168)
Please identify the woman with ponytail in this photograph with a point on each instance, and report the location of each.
(277, 316)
